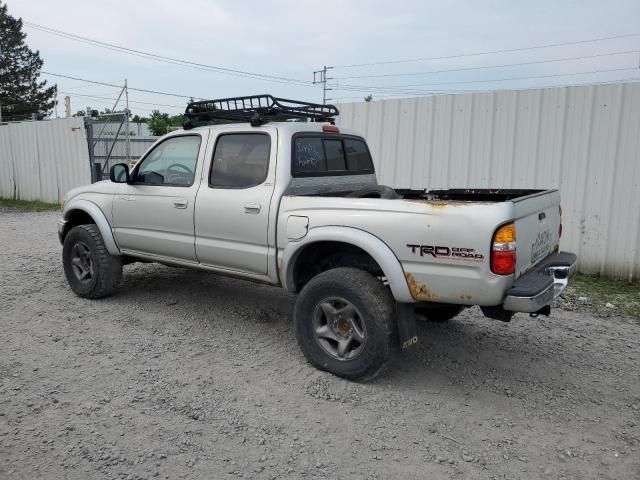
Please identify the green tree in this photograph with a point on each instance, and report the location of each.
(368, 98)
(159, 123)
(177, 121)
(162, 123)
(21, 93)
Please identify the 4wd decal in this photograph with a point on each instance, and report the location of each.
(439, 251)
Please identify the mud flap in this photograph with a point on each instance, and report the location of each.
(406, 319)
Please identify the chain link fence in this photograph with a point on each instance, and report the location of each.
(113, 139)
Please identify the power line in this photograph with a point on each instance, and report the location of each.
(165, 59)
(130, 101)
(491, 52)
(137, 109)
(74, 88)
(95, 82)
(451, 92)
(390, 87)
(463, 69)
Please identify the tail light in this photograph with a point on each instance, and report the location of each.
(560, 227)
(503, 250)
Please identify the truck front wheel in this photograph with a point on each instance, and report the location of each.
(344, 320)
(90, 270)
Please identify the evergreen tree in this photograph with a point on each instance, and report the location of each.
(21, 93)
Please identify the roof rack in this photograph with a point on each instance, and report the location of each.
(257, 109)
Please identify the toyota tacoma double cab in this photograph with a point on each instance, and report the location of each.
(274, 192)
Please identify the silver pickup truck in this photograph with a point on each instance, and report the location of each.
(296, 204)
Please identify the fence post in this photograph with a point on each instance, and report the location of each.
(126, 112)
(88, 125)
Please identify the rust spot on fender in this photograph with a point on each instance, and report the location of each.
(439, 204)
(431, 203)
(419, 291)
(280, 271)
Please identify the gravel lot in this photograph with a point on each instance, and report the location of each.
(190, 375)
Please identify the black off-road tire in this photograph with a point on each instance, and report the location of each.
(440, 314)
(375, 305)
(105, 271)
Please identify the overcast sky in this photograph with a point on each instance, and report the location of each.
(292, 38)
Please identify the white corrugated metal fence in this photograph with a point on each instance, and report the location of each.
(43, 160)
(583, 140)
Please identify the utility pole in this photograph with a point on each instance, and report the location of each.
(320, 76)
(67, 106)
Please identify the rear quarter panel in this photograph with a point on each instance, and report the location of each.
(413, 229)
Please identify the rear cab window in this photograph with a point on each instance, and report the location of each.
(329, 154)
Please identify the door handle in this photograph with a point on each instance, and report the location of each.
(180, 203)
(128, 199)
(252, 208)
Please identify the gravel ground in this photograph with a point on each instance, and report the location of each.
(189, 375)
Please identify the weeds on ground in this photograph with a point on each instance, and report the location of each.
(602, 296)
(28, 205)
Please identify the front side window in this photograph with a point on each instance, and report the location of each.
(240, 160)
(172, 162)
(330, 155)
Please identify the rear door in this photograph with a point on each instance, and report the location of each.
(153, 214)
(232, 208)
(537, 228)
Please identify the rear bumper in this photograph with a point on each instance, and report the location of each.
(540, 287)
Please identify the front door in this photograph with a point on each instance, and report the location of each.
(153, 214)
(232, 210)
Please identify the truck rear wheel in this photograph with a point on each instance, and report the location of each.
(90, 270)
(344, 320)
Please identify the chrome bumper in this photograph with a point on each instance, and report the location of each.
(558, 272)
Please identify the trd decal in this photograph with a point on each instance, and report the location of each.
(438, 251)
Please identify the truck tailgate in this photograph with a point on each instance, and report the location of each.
(537, 219)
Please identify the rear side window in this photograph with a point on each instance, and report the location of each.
(317, 155)
(240, 160)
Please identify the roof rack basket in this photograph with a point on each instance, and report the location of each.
(257, 109)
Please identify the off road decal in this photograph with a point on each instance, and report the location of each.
(439, 251)
(541, 246)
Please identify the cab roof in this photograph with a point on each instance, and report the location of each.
(289, 128)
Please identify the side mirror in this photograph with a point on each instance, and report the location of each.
(119, 173)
